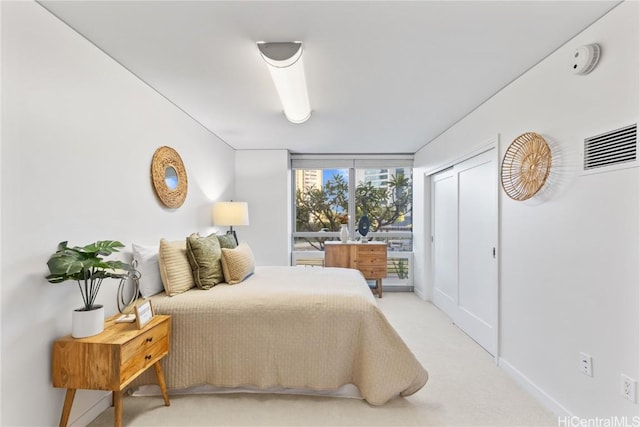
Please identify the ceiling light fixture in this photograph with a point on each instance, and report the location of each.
(284, 61)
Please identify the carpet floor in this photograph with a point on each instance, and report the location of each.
(465, 388)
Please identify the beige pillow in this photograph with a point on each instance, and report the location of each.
(237, 264)
(174, 267)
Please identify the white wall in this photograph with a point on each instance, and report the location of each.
(78, 134)
(569, 260)
(263, 179)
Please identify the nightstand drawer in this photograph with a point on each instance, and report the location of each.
(141, 343)
(142, 359)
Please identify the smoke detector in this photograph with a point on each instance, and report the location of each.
(584, 59)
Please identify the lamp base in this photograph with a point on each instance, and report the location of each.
(232, 232)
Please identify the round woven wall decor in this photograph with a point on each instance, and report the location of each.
(525, 166)
(169, 177)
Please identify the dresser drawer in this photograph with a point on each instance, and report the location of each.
(367, 249)
(365, 260)
(374, 272)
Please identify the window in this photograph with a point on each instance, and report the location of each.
(321, 206)
(330, 191)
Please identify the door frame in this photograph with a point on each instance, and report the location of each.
(492, 143)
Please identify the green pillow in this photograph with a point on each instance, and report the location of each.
(227, 241)
(204, 255)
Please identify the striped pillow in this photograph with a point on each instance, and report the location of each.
(174, 267)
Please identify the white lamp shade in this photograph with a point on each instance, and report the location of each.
(231, 213)
(285, 64)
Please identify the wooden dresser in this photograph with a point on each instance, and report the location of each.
(110, 360)
(370, 258)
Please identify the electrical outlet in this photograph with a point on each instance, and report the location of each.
(628, 387)
(586, 365)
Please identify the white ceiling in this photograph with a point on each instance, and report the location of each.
(383, 76)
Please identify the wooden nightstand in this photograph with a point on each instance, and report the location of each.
(370, 258)
(110, 360)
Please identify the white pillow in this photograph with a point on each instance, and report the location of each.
(147, 258)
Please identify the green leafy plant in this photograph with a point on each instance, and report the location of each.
(401, 268)
(86, 266)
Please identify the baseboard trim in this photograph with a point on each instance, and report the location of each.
(92, 413)
(397, 288)
(542, 396)
(420, 294)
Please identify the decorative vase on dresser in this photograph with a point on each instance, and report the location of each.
(344, 233)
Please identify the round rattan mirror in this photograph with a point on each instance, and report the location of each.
(525, 166)
(169, 177)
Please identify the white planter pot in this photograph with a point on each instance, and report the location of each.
(87, 323)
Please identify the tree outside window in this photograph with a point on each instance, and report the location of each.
(384, 195)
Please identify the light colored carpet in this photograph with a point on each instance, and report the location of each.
(465, 388)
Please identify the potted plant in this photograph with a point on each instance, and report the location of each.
(86, 266)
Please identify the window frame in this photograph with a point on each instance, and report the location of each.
(351, 163)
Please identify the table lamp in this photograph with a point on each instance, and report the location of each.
(230, 214)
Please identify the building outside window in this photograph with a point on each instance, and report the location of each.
(328, 192)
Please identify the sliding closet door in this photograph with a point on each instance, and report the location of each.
(445, 240)
(477, 264)
(464, 263)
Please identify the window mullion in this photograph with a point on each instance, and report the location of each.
(352, 203)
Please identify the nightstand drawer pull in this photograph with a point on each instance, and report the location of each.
(147, 357)
(149, 339)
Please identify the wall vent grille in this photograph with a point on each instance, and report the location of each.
(614, 149)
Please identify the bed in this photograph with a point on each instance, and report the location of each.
(296, 328)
